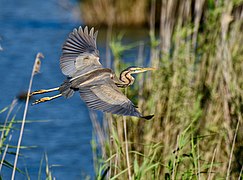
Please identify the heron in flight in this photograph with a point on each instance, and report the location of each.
(98, 86)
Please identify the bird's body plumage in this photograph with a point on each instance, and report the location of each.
(98, 86)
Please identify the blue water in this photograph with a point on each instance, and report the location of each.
(26, 28)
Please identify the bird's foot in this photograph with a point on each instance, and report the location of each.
(42, 100)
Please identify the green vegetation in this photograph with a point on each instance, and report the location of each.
(196, 96)
(8, 130)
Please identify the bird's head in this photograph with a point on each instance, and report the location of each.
(126, 77)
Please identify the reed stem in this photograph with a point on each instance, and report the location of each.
(34, 70)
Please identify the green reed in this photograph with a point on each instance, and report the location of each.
(196, 96)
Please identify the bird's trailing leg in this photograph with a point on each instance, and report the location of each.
(42, 91)
(44, 99)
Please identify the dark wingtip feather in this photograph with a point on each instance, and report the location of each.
(148, 117)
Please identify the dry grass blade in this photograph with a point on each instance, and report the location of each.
(5, 152)
(232, 148)
(175, 158)
(211, 165)
(35, 69)
(198, 155)
(240, 175)
(126, 143)
(13, 104)
(126, 148)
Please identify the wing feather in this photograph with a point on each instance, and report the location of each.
(105, 98)
(79, 52)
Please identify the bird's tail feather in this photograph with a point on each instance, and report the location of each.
(148, 117)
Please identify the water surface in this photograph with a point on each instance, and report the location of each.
(28, 27)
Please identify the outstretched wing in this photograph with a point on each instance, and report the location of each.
(79, 52)
(107, 97)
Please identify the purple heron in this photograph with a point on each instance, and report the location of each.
(98, 86)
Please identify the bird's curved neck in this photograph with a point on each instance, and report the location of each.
(125, 79)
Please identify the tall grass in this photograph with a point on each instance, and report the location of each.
(9, 128)
(36, 69)
(107, 12)
(196, 96)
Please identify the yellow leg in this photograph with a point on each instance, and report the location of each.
(44, 99)
(42, 91)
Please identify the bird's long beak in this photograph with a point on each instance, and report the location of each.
(140, 70)
(149, 69)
